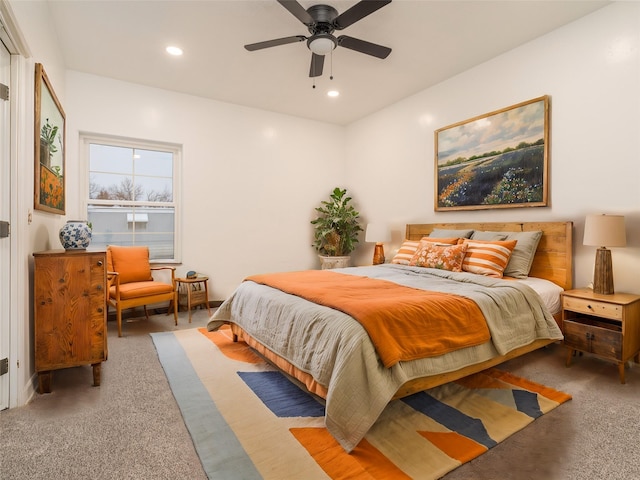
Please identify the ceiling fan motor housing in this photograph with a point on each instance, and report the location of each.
(321, 40)
(323, 15)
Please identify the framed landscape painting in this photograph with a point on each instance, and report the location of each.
(496, 160)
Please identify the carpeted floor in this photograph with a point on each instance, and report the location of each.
(127, 428)
(131, 427)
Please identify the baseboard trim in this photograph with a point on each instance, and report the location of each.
(134, 312)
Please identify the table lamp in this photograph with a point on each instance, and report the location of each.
(378, 233)
(604, 231)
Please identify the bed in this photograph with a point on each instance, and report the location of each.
(334, 356)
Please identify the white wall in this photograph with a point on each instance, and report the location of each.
(41, 232)
(251, 178)
(591, 70)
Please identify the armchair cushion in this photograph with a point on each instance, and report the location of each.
(141, 289)
(131, 263)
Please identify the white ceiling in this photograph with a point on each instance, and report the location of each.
(431, 41)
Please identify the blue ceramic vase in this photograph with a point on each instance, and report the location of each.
(75, 235)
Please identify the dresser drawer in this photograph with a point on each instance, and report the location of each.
(594, 337)
(593, 307)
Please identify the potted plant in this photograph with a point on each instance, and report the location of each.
(336, 230)
(48, 137)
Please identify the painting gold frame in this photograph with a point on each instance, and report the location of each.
(496, 160)
(49, 148)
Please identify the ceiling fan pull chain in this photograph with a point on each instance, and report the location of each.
(331, 66)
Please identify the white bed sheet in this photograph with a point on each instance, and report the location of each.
(549, 292)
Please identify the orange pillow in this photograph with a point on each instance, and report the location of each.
(487, 257)
(445, 257)
(408, 249)
(444, 241)
(132, 263)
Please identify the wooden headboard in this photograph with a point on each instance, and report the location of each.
(554, 257)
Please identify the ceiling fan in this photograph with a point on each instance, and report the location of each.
(322, 21)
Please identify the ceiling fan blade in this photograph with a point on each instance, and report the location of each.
(317, 62)
(297, 11)
(274, 43)
(358, 12)
(363, 46)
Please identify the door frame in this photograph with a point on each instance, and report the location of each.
(6, 199)
(16, 281)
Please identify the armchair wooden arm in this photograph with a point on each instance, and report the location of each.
(167, 267)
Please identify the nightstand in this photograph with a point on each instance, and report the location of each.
(191, 293)
(607, 326)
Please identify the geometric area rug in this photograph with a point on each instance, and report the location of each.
(249, 421)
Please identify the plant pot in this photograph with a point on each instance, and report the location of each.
(328, 263)
(75, 235)
(45, 156)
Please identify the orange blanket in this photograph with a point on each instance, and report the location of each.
(403, 323)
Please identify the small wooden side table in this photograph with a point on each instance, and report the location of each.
(194, 291)
(607, 326)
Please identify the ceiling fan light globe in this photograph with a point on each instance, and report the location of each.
(321, 45)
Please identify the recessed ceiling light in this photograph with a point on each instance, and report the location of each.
(333, 93)
(177, 51)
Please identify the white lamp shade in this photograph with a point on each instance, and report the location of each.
(605, 231)
(378, 233)
(322, 45)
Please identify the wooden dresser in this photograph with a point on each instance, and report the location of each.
(70, 315)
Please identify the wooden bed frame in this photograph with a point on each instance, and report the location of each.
(553, 261)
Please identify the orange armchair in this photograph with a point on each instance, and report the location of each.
(130, 282)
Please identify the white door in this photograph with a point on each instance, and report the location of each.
(5, 198)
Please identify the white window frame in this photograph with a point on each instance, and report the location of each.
(86, 139)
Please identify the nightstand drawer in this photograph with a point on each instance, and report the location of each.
(594, 337)
(593, 307)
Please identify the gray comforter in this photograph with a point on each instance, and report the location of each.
(335, 349)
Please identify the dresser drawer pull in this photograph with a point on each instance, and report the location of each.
(99, 310)
(99, 263)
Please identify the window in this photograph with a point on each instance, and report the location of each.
(132, 193)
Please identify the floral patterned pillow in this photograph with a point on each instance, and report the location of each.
(444, 257)
(408, 249)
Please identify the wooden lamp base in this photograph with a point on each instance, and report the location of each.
(603, 273)
(378, 254)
